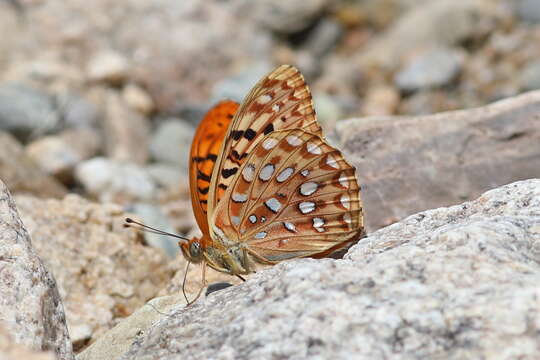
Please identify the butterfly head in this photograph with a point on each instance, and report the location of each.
(193, 249)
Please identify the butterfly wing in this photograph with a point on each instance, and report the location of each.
(281, 100)
(204, 154)
(293, 196)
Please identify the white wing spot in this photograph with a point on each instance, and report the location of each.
(266, 172)
(248, 173)
(347, 218)
(235, 220)
(314, 149)
(239, 198)
(283, 242)
(318, 224)
(269, 143)
(275, 107)
(345, 201)
(306, 207)
(260, 235)
(294, 140)
(273, 204)
(265, 99)
(308, 188)
(252, 219)
(285, 174)
(343, 180)
(263, 219)
(289, 226)
(332, 162)
(304, 172)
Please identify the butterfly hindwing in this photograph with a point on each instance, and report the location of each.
(293, 196)
(205, 151)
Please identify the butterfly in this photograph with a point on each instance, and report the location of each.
(265, 185)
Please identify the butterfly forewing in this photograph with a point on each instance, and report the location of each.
(205, 151)
(281, 100)
(293, 196)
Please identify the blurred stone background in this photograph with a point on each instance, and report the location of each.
(100, 100)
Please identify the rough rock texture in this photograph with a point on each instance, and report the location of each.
(21, 174)
(103, 271)
(30, 307)
(410, 164)
(12, 351)
(449, 283)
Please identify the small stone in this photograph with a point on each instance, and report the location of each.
(528, 10)
(58, 154)
(431, 68)
(78, 112)
(237, 86)
(126, 131)
(22, 174)
(166, 175)
(25, 111)
(115, 181)
(381, 100)
(171, 142)
(138, 99)
(530, 76)
(108, 67)
(287, 16)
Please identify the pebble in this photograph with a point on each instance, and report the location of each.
(26, 111)
(171, 142)
(115, 181)
(138, 99)
(530, 76)
(109, 67)
(431, 68)
(528, 10)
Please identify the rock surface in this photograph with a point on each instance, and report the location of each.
(103, 271)
(453, 283)
(9, 350)
(31, 309)
(409, 164)
(22, 174)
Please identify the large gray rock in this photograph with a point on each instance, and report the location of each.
(450, 283)
(31, 308)
(410, 164)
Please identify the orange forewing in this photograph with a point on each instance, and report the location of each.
(204, 153)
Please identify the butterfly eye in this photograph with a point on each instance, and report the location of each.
(195, 250)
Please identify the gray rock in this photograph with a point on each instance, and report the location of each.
(115, 181)
(237, 86)
(22, 174)
(25, 111)
(449, 283)
(528, 10)
(78, 112)
(435, 23)
(409, 164)
(432, 68)
(171, 142)
(284, 16)
(166, 175)
(58, 154)
(530, 76)
(153, 216)
(31, 308)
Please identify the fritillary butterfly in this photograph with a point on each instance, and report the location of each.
(265, 185)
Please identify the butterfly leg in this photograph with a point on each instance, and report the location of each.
(241, 278)
(203, 284)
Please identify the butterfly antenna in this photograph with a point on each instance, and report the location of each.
(140, 226)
